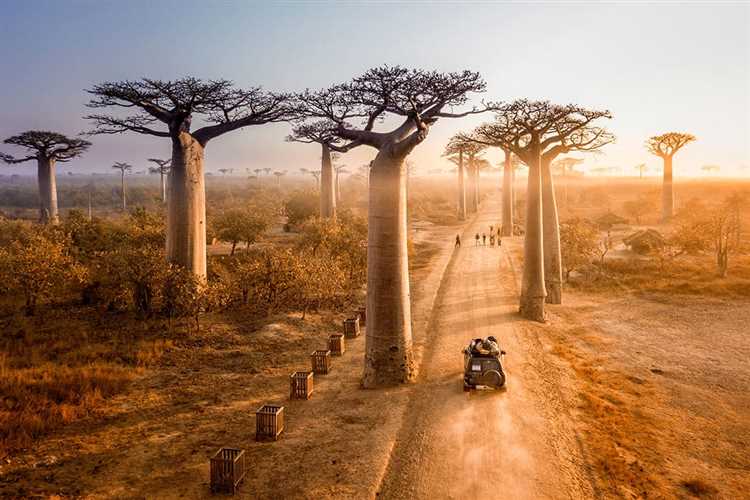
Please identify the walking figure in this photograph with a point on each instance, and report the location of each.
(484, 239)
(458, 240)
(476, 239)
(499, 242)
(492, 240)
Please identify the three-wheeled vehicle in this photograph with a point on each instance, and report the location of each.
(483, 364)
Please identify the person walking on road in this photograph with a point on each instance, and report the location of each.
(484, 239)
(458, 240)
(476, 240)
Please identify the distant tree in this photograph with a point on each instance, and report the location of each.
(666, 146)
(123, 168)
(47, 148)
(641, 167)
(458, 149)
(537, 132)
(174, 105)
(38, 266)
(565, 166)
(161, 168)
(579, 243)
(322, 132)
(279, 175)
(340, 170)
(235, 226)
(711, 169)
(301, 206)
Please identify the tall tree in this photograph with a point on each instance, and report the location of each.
(418, 99)
(174, 105)
(455, 150)
(322, 132)
(665, 146)
(161, 168)
(47, 148)
(537, 132)
(123, 168)
(565, 166)
(340, 170)
(641, 167)
(279, 175)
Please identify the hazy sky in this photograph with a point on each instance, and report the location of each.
(657, 67)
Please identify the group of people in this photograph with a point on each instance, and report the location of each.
(483, 238)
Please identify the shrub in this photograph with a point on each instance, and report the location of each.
(302, 205)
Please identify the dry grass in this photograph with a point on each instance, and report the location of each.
(61, 367)
(683, 276)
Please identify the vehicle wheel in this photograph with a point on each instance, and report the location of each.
(493, 379)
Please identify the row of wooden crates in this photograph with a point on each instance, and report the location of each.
(228, 464)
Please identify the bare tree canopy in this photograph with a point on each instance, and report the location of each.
(462, 144)
(162, 166)
(122, 167)
(556, 129)
(422, 97)
(321, 132)
(174, 103)
(666, 145)
(45, 145)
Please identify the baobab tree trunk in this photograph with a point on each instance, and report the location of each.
(513, 195)
(47, 191)
(388, 348)
(533, 290)
(338, 189)
(461, 188)
(186, 206)
(551, 232)
(122, 190)
(667, 195)
(507, 228)
(163, 187)
(327, 187)
(474, 185)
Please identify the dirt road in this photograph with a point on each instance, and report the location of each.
(518, 443)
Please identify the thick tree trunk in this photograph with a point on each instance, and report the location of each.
(327, 187)
(551, 231)
(513, 193)
(47, 191)
(667, 194)
(461, 187)
(388, 350)
(186, 206)
(163, 187)
(533, 290)
(507, 227)
(474, 185)
(338, 189)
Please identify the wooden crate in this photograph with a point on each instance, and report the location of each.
(300, 385)
(321, 361)
(337, 344)
(351, 328)
(227, 470)
(362, 315)
(269, 422)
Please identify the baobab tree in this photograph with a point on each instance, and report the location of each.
(47, 148)
(322, 132)
(340, 170)
(565, 166)
(279, 175)
(174, 105)
(665, 146)
(418, 99)
(161, 168)
(537, 132)
(123, 168)
(641, 167)
(455, 150)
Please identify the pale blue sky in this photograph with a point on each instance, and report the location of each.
(657, 67)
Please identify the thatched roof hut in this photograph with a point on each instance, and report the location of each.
(644, 241)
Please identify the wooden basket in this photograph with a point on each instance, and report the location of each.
(227, 470)
(321, 361)
(336, 344)
(300, 385)
(351, 328)
(269, 422)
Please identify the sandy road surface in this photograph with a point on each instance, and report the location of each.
(518, 443)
